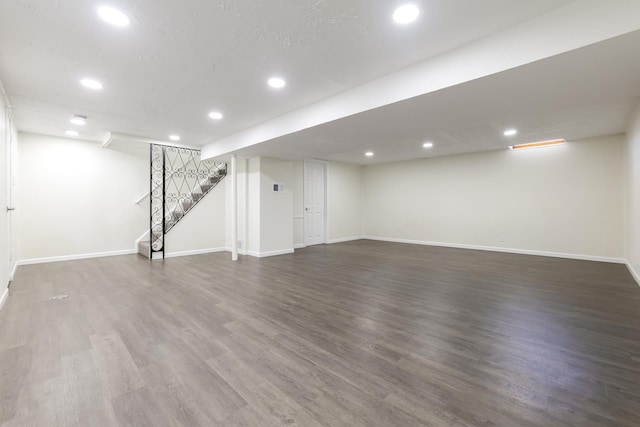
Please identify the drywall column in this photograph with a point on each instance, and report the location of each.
(234, 208)
(632, 232)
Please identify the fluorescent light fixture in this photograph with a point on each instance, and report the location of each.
(113, 16)
(276, 82)
(91, 84)
(79, 120)
(428, 145)
(72, 133)
(369, 154)
(174, 137)
(216, 115)
(510, 132)
(538, 144)
(406, 14)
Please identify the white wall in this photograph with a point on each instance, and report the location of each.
(344, 202)
(298, 203)
(566, 199)
(78, 198)
(276, 219)
(203, 228)
(633, 197)
(253, 206)
(265, 218)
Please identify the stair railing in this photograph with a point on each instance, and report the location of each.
(179, 181)
(148, 193)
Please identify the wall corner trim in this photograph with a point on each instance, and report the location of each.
(633, 272)
(299, 246)
(4, 297)
(500, 249)
(74, 257)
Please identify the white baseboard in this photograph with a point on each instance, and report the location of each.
(4, 297)
(240, 251)
(261, 254)
(269, 254)
(194, 252)
(633, 272)
(331, 241)
(75, 257)
(13, 271)
(500, 249)
(343, 240)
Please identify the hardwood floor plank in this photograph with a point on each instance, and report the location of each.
(139, 408)
(14, 366)
(361, 334)
(118, 371)
(274, 406)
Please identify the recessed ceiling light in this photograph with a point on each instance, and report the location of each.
(510, 132)
(406, 14)
(276, 82)
(174, 137)
(216, 115)
(428, 145)
(79, 120)
(369, 154)
(91, 84)
(113, 16)
(72, 133)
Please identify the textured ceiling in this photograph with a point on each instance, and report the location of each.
(588, 92)
(180, 60)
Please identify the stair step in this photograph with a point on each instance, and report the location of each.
(144, 248)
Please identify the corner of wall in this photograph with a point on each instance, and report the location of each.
(632, 196)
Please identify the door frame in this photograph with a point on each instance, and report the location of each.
(304, 220)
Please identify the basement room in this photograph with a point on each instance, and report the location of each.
(320, 213)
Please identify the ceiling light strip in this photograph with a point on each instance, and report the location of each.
(538, 144)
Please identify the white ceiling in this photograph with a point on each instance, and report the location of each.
(587, 92)
(179, 60)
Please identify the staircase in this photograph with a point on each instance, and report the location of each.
(179, 180)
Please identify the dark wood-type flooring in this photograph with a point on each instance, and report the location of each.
(356, 334)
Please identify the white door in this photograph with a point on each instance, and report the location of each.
(5, 163)
(314, 203)
(11, 182)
